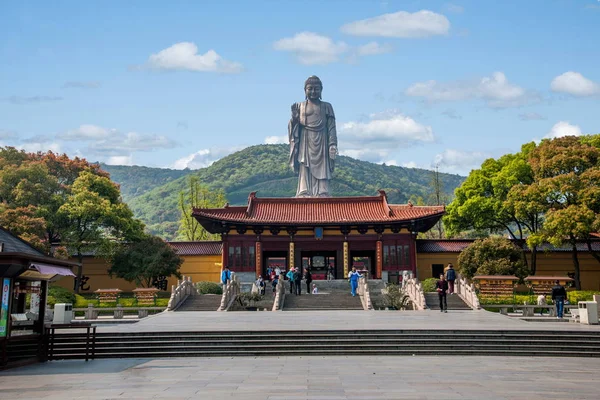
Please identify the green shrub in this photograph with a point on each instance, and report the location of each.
(429, 284)
(580, 295)
(209, 288)
(57, 294)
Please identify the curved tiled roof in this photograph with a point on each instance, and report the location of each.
(457, 245)
(322, 210)
(200, 248)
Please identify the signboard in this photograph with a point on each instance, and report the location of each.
(4, 306)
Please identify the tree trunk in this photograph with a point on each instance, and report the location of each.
(534, 260)
(576, 265)
(79, 272)
(593, 253)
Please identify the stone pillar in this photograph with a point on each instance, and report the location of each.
(346, 260)
(292, 255)
(378, 259)
(258, 259)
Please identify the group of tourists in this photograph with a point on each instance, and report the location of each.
(295, 277)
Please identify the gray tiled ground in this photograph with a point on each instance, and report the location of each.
(315, 378)
(335, 320)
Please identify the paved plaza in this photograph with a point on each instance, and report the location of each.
(325, 378)
(335, 320)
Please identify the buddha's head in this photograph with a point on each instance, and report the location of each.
(313, 88)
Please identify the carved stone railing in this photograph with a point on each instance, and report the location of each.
(230, 292)
(118, 312)
(363, 293)
(279, 294)
(413, 288)
(180, 292)
(466, 291)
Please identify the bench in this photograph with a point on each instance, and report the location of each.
(108, 295)
(529, 309)
(145, 296)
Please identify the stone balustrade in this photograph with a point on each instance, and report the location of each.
(466, 291)
(363, 292)
(230, 292)
(414, 289)
(279, 294)
(180, 292)
(118, 312)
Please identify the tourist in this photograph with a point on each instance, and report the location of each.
(290, 276)
(559, 295)
(308, 278)
(298, 281)
(277, 271)
(260, 284)
(225, 276)
(541, 301)
(269, 272)
(274, 283)
(330, 276)
(441, 287)
(353, 277)
(315, 290)
(450, 277)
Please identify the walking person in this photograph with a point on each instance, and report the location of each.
(441, 287)
(274, 284)
(450, 277)
(290, 276)
(225, 276)
(330, 272)
(308, 278)
(260, 283)
(353, 277)
(559, 295)
(298, 281)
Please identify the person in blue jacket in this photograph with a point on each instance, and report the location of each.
(353, 277)
(290, 276)
(225, 276)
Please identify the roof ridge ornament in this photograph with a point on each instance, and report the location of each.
(251, 200)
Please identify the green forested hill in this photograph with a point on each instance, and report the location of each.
(136, 180)
(264, 168)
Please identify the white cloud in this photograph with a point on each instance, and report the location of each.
(383, 133)
(120, 160)
(203, 158)
(87, 132)
(373, 48)
(459, 161)
(277, 139)
(531, 116)
(81, 85)
(410, 164)
(496, 91)
(32, 99)
(400, 24)
(43, 145)
(6, 134)
(311, 48)
(184, 56)
(563, 128)
(575, 84)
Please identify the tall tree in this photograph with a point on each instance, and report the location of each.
(145, 261)
(567, 181)
(198, 196)
(95, 219)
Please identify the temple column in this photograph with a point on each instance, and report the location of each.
(378, 259)
(346, 255)
(258, 255)
(292, 255)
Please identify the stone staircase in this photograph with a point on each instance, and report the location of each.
(454, 302)
(333, 295)
(336, 343)
(201, 302)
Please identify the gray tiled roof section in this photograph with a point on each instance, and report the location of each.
(12, 244)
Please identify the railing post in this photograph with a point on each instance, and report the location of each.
(118, 313)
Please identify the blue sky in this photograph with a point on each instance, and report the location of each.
(180, 84)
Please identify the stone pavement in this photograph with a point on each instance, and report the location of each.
(335, 320)
(315, 378)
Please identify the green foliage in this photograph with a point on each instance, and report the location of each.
(575, 296)
(125, 302)
(265, 169)
(429, 284)
(248, 298)
(197, 196)
(143, 261)
(209, 288)
(492, 256)
(394, 297)
(57, 294)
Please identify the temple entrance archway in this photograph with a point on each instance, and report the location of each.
(318, 262)
(274, 259)
(363, 260)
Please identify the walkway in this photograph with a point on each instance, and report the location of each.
(336, 320)
(315, 378)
